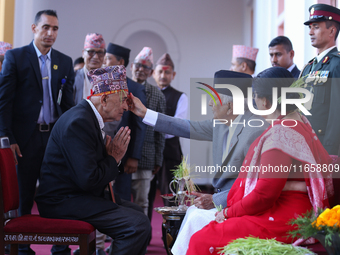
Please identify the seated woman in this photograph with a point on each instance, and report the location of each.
(260, 203)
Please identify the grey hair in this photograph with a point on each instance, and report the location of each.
(229, 99)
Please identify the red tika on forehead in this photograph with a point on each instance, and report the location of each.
(165, 68)
(143, 62)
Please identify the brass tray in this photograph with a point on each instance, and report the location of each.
(168, 210)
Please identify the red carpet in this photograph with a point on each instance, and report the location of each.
(155, 247)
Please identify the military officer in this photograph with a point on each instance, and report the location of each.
(323, 75)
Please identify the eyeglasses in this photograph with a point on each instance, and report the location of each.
(100, 53)
(139, 65)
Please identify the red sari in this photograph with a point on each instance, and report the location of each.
(256, 204)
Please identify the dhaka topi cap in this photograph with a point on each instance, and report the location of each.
(323, 12)
(242, 51)
(108, 80)
(241, 80)
(165, 60)
(4, 46)
(119, 51)
(94, 40)
(144, 55)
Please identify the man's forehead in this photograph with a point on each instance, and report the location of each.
(317, 23)
(144, 62)
(164, 67)
(48, 20)
(96, 49)
(276, 48)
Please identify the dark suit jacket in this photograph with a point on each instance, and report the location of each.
(76, 167)
(326, 104)
(135, 123)
(21, 92)
(295, 72)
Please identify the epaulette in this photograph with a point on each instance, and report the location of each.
(325, 60)
(337, 54)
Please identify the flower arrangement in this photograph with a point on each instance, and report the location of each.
(326, 222)
(256, 246)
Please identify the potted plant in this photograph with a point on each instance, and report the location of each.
(323, 225)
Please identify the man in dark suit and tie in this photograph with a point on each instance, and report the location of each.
(35, 90)
(282, 54)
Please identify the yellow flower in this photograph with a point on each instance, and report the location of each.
(55, 67)
(329, 217)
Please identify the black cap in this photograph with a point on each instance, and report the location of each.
(119, 51)
(323, 12)
(273, 77)
(241, 80)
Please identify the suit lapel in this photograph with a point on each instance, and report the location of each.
(87, 105)
(219, 147)
(237, 132)
(54, 74)
(33, 58)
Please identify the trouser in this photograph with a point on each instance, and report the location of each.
(122, 186)
(140, 190)
(152, 196)
(129, 229)
(100, 237)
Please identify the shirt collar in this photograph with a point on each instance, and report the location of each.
(324, 53)
(291, 67)
(39, 53)
(98, 116)
(164, 87)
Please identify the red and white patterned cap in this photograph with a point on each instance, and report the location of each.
(94, 40)
(145, 55)
(108, 80)
(242, 51)
(4, 46)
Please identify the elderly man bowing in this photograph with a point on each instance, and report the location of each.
(79, 164)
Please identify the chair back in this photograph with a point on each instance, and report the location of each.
(8, 177)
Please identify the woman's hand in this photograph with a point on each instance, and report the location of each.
(219, 217)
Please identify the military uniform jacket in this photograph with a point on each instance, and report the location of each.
(326, 102)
